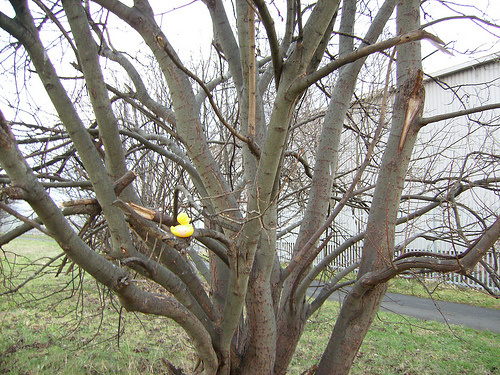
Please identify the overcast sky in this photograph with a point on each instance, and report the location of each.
(187, 25)
(463, 35)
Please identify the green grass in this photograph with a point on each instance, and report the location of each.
(439, 290)
(443, 292)
(32, 247)
(75, 331)
(402, 345)
(69, 325)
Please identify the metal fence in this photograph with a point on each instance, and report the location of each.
(353, 254)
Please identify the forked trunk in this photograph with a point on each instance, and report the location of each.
(362, 303)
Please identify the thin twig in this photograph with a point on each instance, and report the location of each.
(24, 219)
(251, 145)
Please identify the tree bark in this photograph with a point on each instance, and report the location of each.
(324, 172)
(362, 304)
(27, 34)
(234, 173)
(105, 272)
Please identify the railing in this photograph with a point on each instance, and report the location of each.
(354, 253)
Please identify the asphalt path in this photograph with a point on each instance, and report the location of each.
(443, 312)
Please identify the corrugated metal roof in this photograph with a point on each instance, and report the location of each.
(489, 59)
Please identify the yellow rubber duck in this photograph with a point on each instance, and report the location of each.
(184, 229)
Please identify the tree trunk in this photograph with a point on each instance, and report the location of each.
(293, 310)
(363, 302)
(230, 157)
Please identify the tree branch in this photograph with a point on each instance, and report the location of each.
(446, 116)
(412, 36)
(475, 18)
(268, 22)
(435, 262)
(98, 94)
(251, 145)
(24, 219)
(302, 160)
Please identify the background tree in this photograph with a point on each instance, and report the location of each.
(230, 141)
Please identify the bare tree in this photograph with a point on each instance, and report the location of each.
(257, 142)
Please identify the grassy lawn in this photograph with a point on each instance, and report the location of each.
(75, 331)
(402, 345)
(443, 292)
